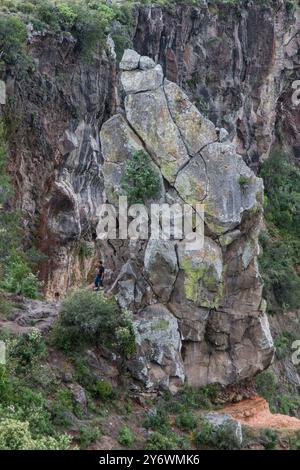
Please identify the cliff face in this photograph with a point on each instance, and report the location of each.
(237, 65)
(237, 68)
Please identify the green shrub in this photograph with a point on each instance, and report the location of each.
(15, 435)
(139, 181)
(205, 435)
(159, 441)
(269, 439)
(281, 243)
(295, 441)
(125, 437)
(283, 344)
(28, 350)
(103, 390)
(186, 421)
(13, 38)
(88, 318)
(157, 420)
(266, 386)
(19, 279)
(88, 435)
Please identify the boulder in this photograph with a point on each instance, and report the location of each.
(130, 60)
(2, 92)
(223, 422)
(157, 362)
(137, 81)
(146, 63)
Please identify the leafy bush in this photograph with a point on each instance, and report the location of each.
(19, 278)
(186, 421)
(15, 435)
(269, 439)
(157, 420)
(139, 181)
(88, 435)
(295, 441)
(283, 344)
(266, 385)
(28, 349)
(13, 38)
(125, 437)
(205, 435)
(158, 441)
(103, 390)
(88, 318)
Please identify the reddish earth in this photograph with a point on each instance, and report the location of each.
(255, 412)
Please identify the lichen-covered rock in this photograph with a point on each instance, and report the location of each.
(137, 81)
(146, 63)
(233, 188)
(130, 60)
(203, 274)
(149, 115)
(196, 130)
(158, 361)
(2, 92)
(161, 267)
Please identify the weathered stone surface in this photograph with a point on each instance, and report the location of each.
(137, 81)
(192, 182)
(203, 274)
(118, 141)
(149, 115)
(233, 188)
(2, 92)
(146, 63)
(67, 143)
(161, 267)
(130, 60)
(196, 130)
(158, 361)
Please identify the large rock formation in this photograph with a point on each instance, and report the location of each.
(198, 314)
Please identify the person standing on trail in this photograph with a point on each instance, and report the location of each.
(99, 276)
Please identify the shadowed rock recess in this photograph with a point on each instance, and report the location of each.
(199, 316)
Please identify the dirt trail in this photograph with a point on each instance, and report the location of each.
(255, 412)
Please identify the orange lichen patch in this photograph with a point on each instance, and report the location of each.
(255, 412)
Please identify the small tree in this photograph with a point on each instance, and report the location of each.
(139, 181)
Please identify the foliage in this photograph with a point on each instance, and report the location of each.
(88, 435)
(266, 385)
(28, 350)
(269, 439)
(125, 437)
(88, 318)
(19, 279)
(281, 243)
(16, 435)
(159, 441)
(13, 37)
(205, 435)
(139, 181)
(157, 420)
(295, 441)
(186, 421)
(221, 437)
(283, 344)
(103, 390)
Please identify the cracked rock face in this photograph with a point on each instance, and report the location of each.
(197, 315)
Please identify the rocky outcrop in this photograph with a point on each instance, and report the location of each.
(203, 321)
